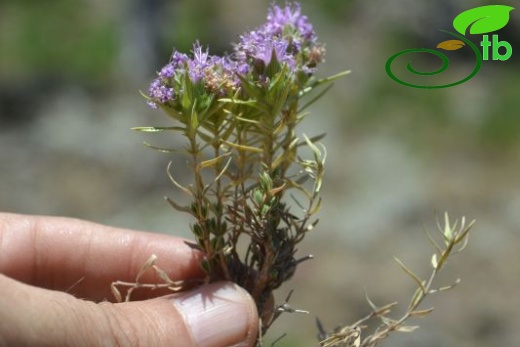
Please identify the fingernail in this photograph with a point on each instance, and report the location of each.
(218, 314)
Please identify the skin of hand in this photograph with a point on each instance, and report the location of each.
(55, 276)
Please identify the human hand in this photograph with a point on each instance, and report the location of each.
(43, 304)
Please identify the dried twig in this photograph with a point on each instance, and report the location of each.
(453, 235)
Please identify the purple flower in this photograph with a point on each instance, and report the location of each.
(167, 71)
(248, 44)
(286, 36)
(264, 51)
(159, 93)
(278, 18)
(196, 66)
(241, 68)
(259, 45)
(176, 63)
(220, 75)
(178, 59)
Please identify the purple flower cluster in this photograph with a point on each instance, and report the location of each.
(159, 93)
(257, 45)
(278, 19)
(287, 36)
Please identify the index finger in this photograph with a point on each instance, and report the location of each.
(56, 253)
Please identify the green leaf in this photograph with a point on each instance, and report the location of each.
(187, 96)
(314, 99)
(483, 19)
(411, 274)
(237, 101)
(157, 129)
(162, 149)
(206, 266)
(194, 122)
(213, 161)
(250, 89)
(323, 81)
(274, 65)
(244, 147)
(178, 207)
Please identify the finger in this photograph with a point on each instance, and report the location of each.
(217, 315)
(57, 253)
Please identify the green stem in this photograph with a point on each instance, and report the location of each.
(199, 197)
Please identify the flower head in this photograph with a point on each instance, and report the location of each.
(159, 93)
(279, 18)
(178, 59)
(286, 36)
(259, 45)
(220, 76)
(200, 61)
(176, 63)
(167, 71)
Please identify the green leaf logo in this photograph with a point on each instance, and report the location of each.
(483, 19)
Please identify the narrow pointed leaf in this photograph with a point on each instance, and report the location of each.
(147, 266)
(174, 181)
(326, 80)
(421, 313)
(223, 170)
(418, 295)
(156, 129)
(244, 148)
(178, 207)
(434, 243)
(406, 328)
(313, 147)
(194, 122)
(367, 298)
(411, 273)
(162, 149)
(465, 232)
(316, 98)
(450, 286)
(316, 207)
(164, 276)
(214, 161)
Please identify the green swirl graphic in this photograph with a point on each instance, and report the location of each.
(445, 64)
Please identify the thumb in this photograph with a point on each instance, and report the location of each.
(220, 314)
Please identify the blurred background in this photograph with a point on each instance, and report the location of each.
(398, 157)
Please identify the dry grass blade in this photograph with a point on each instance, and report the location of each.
(172, 179)
(147, 266)
(433, 242)
(346, 337)
(406, 328)
(411, 274)
(421, 313)
(424, 288)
